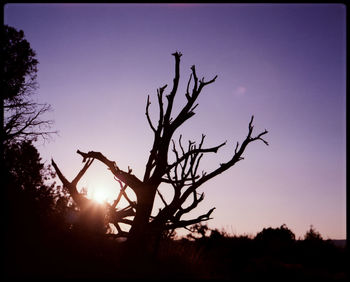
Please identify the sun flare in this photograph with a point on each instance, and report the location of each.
(99, 196)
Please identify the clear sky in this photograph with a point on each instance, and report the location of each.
(285, 64)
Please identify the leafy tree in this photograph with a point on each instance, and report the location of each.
(34, 220)
(275, 235)
(182, 175)
(276, 241)
(312, 235)
(29, 196)
(20, 65)
(20, 115)
(32, 192)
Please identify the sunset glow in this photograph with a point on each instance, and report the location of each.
(100, 195)
(284, 64)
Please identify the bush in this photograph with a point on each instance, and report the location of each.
(276, 235)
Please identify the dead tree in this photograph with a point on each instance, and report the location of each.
(182, 175)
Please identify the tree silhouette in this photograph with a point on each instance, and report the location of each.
(312, 235)
(31, 192)
(32, 214)
(182, 175)
(20, 115)
(283, 234)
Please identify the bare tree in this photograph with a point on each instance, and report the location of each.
(182, 175)
(23, 121)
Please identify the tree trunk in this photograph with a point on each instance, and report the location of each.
(139, 232)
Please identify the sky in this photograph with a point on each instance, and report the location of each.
(283, 63)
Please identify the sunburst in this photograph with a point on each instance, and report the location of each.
(100, 196)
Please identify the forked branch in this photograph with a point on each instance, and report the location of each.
(72, 186)
(129, 179)
(174, 209)
(184, 223)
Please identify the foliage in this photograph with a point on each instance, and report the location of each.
(34, 208)
(281, 234)
(20, 115)
(312, 235)
(19, 64)
(31, 191)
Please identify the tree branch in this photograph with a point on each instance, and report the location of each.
(171, 96)
(147, 115)
(71, 187)
(131, 180)
(123, 193)
(224, 166)
(82, 172)
(194, 204)
(162, 198)
(187, 111)
(22, 121)
(176, 204)
(184, 223)
(192, 152)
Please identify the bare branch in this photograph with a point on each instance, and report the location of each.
(122, 189)
(224, 166)
(119, 215)
(162, 198)
(184, 223)
(182, 149)
(122, 192)
(259, 137)
(82, 172)
(195, 151)
(118, 228)
(187, 111)
(188, 85)
(182, 181)
(202, 83)
(236, 147)
(147, 115)
(176, 204)
(191, 110)
(194, 204)
(131, 180)
(22, 121)
(195, 78)
(194, 171)
(71, 187)
(161, 111)
(157, 133)
(171, 96)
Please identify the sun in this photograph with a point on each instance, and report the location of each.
(99, 196)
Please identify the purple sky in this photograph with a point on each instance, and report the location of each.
(284, 64)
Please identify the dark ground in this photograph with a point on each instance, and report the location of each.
(70, 255)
